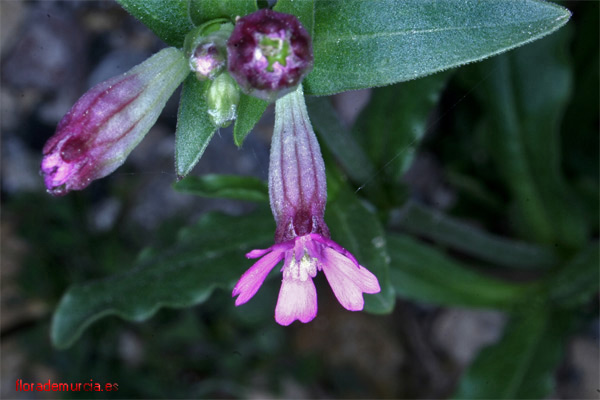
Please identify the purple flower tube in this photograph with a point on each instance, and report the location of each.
(269, 53)
(102, 128)
(298, 195)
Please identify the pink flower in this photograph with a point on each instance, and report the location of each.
(108, 121)
(298, 194)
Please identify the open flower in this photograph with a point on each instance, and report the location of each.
(108, 121)
(269, 53)
(298, 194)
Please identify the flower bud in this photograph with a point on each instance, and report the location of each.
(222, 98)
(206, 48)
(297, 183)
(269, 53)
(108, 121)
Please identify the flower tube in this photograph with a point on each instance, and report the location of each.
(102, 128)
(298, 195)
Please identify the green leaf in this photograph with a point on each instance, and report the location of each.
(206, 256)
(169, 20)
(420, 272)
(577, 281)
(194, 126)
(358, 230)
(392, 125)
(303, 9)
(525, 105)
(359, 44)
(249, 111)
(339, 141)
(443, 229)
(206, 10)
(523, 363)
(225, 186)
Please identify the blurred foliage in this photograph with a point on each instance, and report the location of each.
(516, 140)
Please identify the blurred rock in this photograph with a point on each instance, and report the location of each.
(49, 54)
(11, 18)
(461, 333)
(20, 167)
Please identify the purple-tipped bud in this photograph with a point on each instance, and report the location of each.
(269, 53)
(206, 45)
(108, 121)
(207, 61)
(297, 183)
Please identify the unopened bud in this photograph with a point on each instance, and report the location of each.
(206, 48)
(222, 97)
(269, 53)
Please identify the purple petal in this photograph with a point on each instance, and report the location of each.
(252, 279)
(276, 247)
(347, 281)
(297, 301)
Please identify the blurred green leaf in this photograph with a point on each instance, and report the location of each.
(392, 125)
(339, 141)
(577, 281)
(443, 229)
(225, 186)
(249, 111)
(303, 9)
(359, 44)
(525, 105)
(206, 256)
(522, 364)
(169, 20)
(205, 10)
(194, 126)
(357, 229)
(423, 273)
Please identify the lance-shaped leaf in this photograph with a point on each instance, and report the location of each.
(523, 363)
(448, 231)
(359, 44)
(206, 10)
(358, 230)
(195, 128)
(421, 272)
(169, 20)
(206, 256)
(525, 105)
(225, 186)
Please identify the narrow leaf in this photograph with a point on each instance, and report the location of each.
(392, 125)
(206, 256)
(225, 186)
(206, 10)
(577, 281)
(448, 231)
(357, 229)
(525, 105)
(338, 140)
(169, 20)
(249, 110)
(194, 126)
(420, 272)
(360, 44)
(303, 9)
(522, 365)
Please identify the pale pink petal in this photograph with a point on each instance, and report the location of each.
(348, 281)
(330, 243)
(297, 300)
(252, 279)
